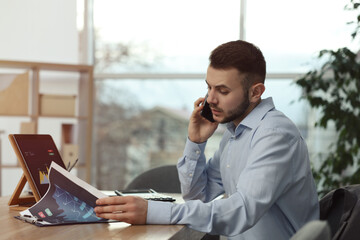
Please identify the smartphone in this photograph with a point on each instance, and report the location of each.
(206, 112)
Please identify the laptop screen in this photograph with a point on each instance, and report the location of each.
(38, 151)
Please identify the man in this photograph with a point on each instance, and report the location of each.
(261, 165)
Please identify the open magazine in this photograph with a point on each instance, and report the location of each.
(68, 200)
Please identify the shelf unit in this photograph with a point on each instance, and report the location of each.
(82, 115)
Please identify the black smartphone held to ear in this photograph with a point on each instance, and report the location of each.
(206, 112)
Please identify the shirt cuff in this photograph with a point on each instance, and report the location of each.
(193, 150)
(158, 212)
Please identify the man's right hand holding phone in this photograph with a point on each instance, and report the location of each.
(200, 129)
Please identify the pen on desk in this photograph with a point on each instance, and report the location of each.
(71, 167)
(117, 192)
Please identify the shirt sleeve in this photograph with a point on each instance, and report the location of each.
(199, 180)
(156, 207)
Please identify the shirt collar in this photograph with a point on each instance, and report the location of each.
(253, 118)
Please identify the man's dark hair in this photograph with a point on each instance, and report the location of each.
(242, 55)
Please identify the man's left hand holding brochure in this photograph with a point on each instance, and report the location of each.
(68, 200)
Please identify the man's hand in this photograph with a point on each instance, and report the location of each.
(200, 129)
(128, 209)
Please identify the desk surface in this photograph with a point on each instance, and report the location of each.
(12, 228)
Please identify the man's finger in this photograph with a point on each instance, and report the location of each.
(109, 209)
(111, 200)
(198, 102)
(114, 216)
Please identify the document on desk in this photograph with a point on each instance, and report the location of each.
(69, 200)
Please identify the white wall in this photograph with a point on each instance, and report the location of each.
(34, 30)
(38, 30)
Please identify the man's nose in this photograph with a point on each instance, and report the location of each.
(211, 98)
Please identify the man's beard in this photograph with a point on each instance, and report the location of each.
(238, 112)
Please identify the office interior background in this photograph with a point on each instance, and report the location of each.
(150, 60)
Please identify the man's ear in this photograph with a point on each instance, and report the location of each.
(256, 91)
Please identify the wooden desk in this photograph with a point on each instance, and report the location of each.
(12, 228)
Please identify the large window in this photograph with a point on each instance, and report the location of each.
(151, 60)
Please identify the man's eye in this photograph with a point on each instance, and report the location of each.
(224, 92)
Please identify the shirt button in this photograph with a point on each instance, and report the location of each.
(190, 175)
(228, 165)
(197, 152)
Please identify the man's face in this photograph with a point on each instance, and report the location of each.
(229, 101)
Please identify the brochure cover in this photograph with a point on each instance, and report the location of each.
(68, 200)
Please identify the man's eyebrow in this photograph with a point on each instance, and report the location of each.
(219, 86)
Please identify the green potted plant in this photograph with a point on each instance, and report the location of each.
(334, 90)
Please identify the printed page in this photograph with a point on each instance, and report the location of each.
(68, 200)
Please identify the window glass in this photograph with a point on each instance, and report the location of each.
(141, 124)
(161, 35)
(291, 33)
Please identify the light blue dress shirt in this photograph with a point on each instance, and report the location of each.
(262, 166)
